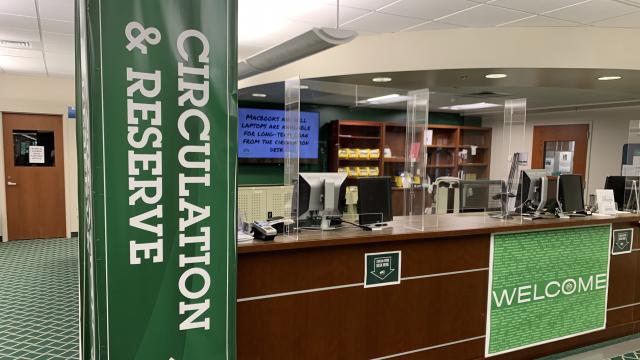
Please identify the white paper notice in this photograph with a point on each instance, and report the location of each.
(606, 202)
(428, 137)
(36, 154)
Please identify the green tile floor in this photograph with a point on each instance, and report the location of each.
(39, 299)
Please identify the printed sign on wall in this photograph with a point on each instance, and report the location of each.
(546, 285)
(159, 139)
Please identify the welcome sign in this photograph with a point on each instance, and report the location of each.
(159, 139)
(546, 285)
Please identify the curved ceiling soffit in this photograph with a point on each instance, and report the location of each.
(577, 48)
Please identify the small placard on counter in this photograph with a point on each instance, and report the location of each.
(382, 269)
(622, 241)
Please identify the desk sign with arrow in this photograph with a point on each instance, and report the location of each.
(622, 241)
(381, 269)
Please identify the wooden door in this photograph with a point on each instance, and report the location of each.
(578, 133)
(34, 176)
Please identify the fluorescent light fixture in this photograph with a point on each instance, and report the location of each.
(301, 46)
(607, 78)
(15, 44)
(385, 99)
(382, 79)
(474, 106)
(304, 87)
(259, 95)
(495, 76)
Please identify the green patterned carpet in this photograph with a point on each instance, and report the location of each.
(39, 299)
(628, 356)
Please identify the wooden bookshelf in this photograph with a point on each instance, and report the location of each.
(443, 154)
(355, 134)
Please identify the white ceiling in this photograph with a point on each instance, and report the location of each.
(48, 24)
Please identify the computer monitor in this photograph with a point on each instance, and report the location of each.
(374, 200)
(529, 190)
(548, 194)
(571, 193)
(321, 194)
(481, 195)
(621, 186)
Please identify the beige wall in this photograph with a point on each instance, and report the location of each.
(609, 130)
(501, 47)
(43, 95)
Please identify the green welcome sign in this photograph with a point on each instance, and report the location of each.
(158, 152)
(546, 285)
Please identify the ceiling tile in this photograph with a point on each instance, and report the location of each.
(56, 9)
(432, 25)
(22, 65)
(58, 42)
(18, 7)
(19, 22)
(427, 9)
(20, 52)
(541, 21)
(536, 6)
(484, 16)
(57, 26)
(382, 23)
(592, 11)
(362, 4)
(325, 15)
(625, 21)
(19, 34)
(60, 63)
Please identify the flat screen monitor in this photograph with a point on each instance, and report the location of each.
(571, 193)
(322, 194)
(374, 200)
(481, 195)
(548, 194)
(530, 186)
(261, 134)
(621, 186)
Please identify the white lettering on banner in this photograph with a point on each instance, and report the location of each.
(567, 287)
(145, 163)
(193, 179)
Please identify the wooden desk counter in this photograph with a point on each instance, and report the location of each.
(305, 299)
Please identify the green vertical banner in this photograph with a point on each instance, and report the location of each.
(158, 135)
(546, 285)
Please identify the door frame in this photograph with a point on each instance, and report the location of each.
(69, 172)
(531, 123)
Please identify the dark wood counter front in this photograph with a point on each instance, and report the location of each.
(306, 299)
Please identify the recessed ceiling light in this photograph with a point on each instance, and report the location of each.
(606, 78)
(259, 95)
(495, 76)
(474, 106)
(382, 79)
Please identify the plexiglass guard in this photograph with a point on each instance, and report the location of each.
(514, 197)
(631, 172)
(291, 149)
(415, 156)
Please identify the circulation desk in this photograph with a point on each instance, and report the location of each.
(306, 299)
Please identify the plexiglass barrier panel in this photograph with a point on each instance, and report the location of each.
(291, 149)
(626, 187)
(515, 199)
(416, 157)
